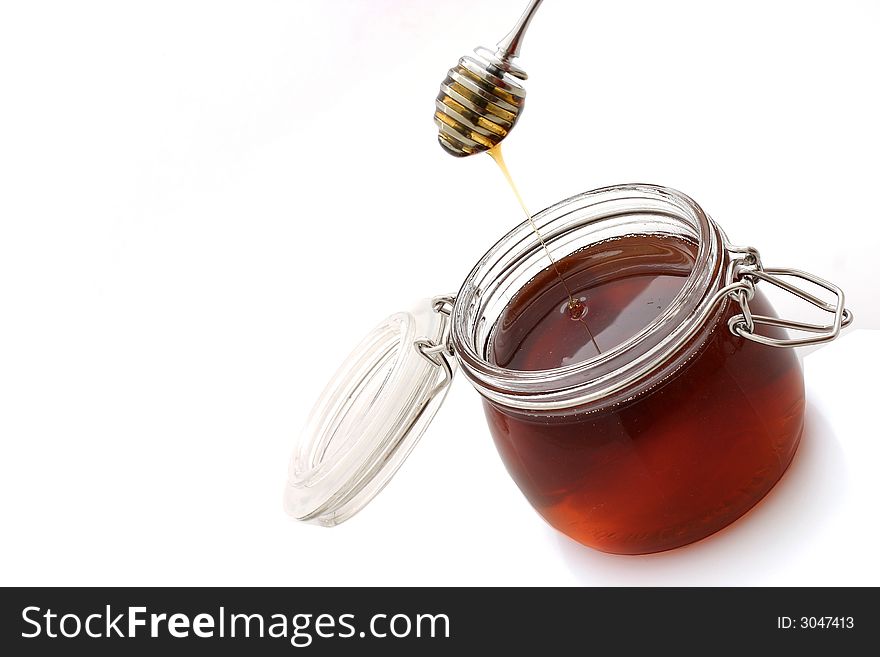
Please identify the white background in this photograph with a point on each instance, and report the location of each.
(204, 205)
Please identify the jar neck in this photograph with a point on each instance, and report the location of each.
(567, 227)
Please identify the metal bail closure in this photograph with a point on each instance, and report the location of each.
(748, 271)
(371, 414)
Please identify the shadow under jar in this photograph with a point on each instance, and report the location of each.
(646, 423)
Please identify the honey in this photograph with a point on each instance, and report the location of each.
(682, 457)
(616, 288)
(575, 308)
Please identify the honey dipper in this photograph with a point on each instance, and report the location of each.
(481, 98)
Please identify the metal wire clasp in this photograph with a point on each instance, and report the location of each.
(440, 353)
(744, 273)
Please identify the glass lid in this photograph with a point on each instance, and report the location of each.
(371, 415)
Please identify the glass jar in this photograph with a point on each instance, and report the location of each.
(654, 443)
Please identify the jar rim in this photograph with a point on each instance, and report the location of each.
(603, 377)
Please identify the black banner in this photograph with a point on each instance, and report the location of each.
(278, 621)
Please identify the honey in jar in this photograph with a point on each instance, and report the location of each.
(678, 460)
(636, 381)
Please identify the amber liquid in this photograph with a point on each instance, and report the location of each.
(621, 285)
(575, 309)
(672, 464)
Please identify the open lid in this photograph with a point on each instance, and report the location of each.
(371, 415)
